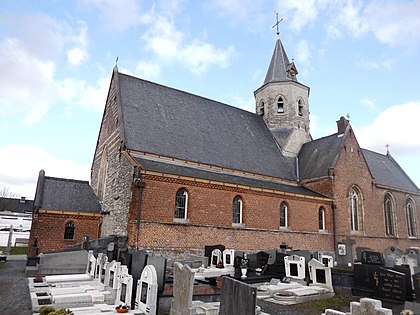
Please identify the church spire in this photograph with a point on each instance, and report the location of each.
(280, 69)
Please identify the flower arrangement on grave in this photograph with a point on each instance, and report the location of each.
(62, 311)
(219, 264)
(45, 310)
(122, 308)
(407, 312)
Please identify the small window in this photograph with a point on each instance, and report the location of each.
(280, 105)
(321, 219)
(283, 214)
(69, 231)
(300, 107)
(389, 215)
(181, 203)
(262, 109)
(411, 223)
(237, 210)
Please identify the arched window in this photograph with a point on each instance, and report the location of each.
(237, 210)
(181, 204)
(69, 231)
(300, 107)
(283, 214)
(389, 215)
(280, 105)
(321, 218)
(262, 108)
(411, 222)
(355, 205)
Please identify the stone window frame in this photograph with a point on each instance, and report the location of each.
(410, 214)
(284, 207)
(281, 102)
(355, 198)
(237, 211)
(261, 108)
(321, 219)
(181, 203)
(389, 214)
(69, 230)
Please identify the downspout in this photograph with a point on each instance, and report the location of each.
(334, 208)
(297, 169)
(138, 181)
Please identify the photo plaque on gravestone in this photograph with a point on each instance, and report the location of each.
(320, 276)
(294, 270)
(123, 291)
(111, 278)
(144, 289)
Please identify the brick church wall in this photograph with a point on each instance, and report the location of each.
(51, 227)
(210, 218)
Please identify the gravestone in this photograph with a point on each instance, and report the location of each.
(327, 258)
(416, 284)
(125, 288)
(183, 290)
(359, 250)
(228, 256)
(320, 274)
(147, 289)
(262, 259)
(295, 266)
(208, 250)
(345, 252)
(237, 298)
(408, 261)
(252, 260)
(277, 268)
(216, 258)
(159, 263)
(92, 266)
(103, 272)
(389, 284)
(111, 274)
(371, 258)
(139, 260)
(391, 254)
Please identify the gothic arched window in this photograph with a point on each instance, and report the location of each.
(69, 231)
(355, 205)
(283, 214)
(389, 215)
(237, 210)
(280, 105)
(411, 221)
(181, 204)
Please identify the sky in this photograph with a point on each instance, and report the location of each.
(361, 59)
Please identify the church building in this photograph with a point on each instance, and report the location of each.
(175, 172)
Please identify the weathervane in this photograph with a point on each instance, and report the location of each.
(277, 24)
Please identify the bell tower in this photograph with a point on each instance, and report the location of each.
(283, 103)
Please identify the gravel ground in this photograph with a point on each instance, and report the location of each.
(14, 291)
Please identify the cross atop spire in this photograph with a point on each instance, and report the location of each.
(277, 24)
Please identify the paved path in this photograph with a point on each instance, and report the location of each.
(14, 290)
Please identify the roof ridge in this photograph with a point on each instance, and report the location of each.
(68, 179)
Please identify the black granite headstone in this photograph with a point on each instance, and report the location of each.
(262, 259)
(389, 284)
(159, 263)
(277, 268)
(416, 283)
(371, 258)
(209, 249)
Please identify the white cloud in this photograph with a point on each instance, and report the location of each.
(21, 177)
(397, 126)
(299, 13)
(169, 44)
(303, 55)
(79, 53)
(148, 70)
(368, 103)
(94, 96)
(247, 104)
(117, 14)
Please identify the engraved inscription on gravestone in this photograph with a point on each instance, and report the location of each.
(389, 284)
(372, 258)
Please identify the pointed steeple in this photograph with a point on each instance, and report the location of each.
(280, 69)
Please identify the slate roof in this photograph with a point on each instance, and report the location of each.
(279, 64)
(66, 195)
(165, 121)
(386, 171)
(222, 177)
(16, 205)
(317, 156)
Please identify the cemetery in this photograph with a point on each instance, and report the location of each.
(223, 281)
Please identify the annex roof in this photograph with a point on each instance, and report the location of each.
(66, 195)
(21, 205)
(172, 123)
(386, 171)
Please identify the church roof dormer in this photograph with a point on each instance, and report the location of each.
(280, 69)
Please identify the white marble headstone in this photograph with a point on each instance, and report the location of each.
(125, 288)
(147, 288)
(216, 257)
(294, 266)
(320, 274)
(228, 257)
